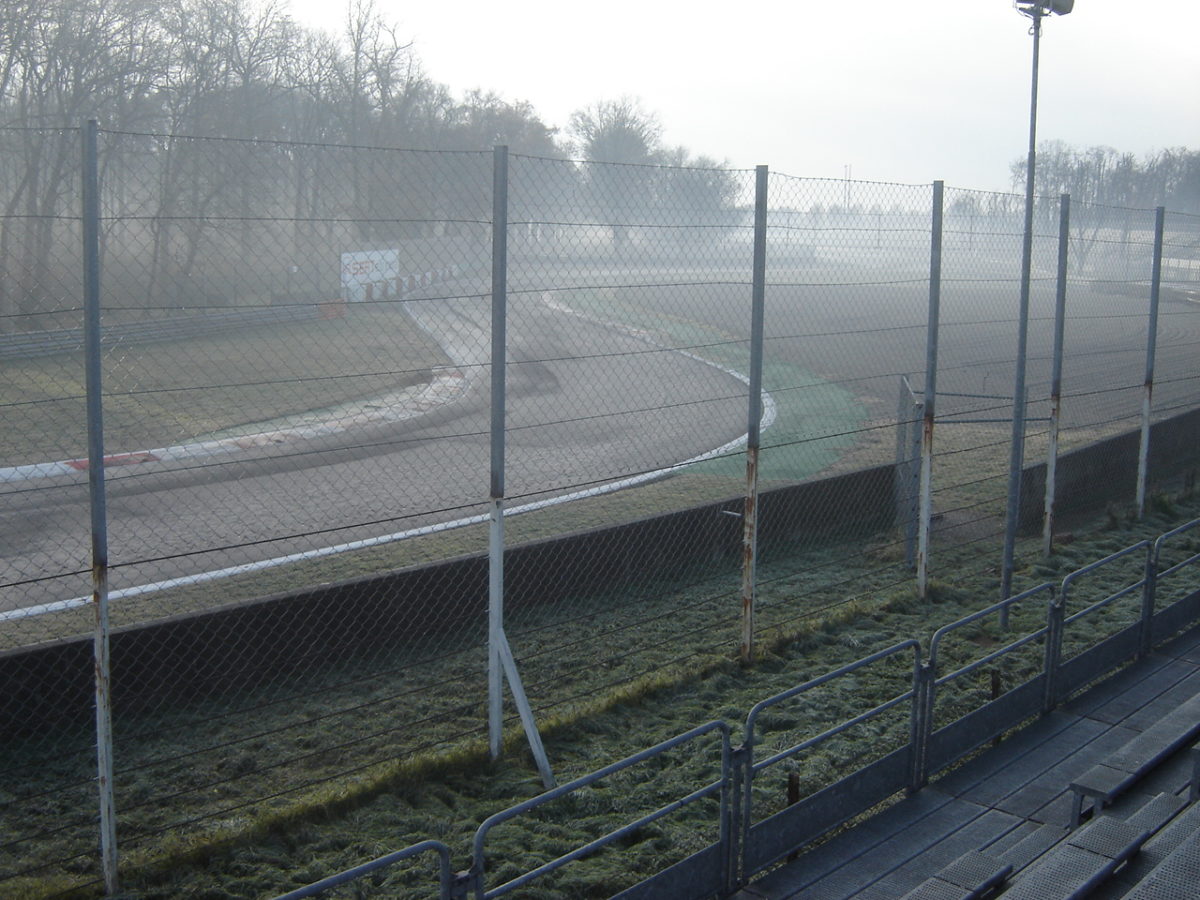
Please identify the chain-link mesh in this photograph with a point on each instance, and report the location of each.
(296, 359)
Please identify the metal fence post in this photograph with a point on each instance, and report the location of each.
(753, 439)
(1060, 309)
(501, 663)
(496, 525)
(97, 504)
(1151, 340)
(904, 489)
(914, 479)
(931, 352)
(901, 464)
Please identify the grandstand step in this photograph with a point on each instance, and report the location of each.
(1137, 758)
(973, 875)
(1033, 845)
(1157, 812)
(1158, 816)
(1081, 862)
(1175, 878)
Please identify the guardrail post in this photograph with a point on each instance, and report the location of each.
(97, 503)
(1060, 309)
(1151, 340)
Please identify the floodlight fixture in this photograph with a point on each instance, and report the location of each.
(1044, 7)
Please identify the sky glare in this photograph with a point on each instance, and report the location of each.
(879, 89)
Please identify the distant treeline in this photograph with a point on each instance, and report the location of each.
(224, 163)
(1102, 175)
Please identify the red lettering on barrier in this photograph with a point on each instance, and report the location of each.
(117, 459)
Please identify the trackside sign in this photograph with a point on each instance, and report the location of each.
(367, 274)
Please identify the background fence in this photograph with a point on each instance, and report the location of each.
(336, 383)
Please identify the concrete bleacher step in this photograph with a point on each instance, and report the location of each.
(1081, 861)
(973, 875)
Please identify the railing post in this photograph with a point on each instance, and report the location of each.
(1060, 308)
(745, 806)
(1149, 590)
(1055, 614)
(924, 679)
(753, 438)
(1151, 340)
(734, 827)
(97, 503)
(931, 356)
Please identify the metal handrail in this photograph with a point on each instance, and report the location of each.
(1111, 598)
(445, 878)
(1163, 538)
(721, 787)
(1000, 607)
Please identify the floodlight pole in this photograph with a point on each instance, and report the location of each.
(1017, 457)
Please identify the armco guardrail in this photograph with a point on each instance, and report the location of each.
(746, 847)
(26, 345)
(31, 344)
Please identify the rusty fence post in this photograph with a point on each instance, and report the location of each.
(1060, 314)
(754, 416)
(931, 362)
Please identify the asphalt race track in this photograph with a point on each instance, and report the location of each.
(588, 403)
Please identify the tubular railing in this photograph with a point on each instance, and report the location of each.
(940, 748)
(446, 880)
(1064, 676)
(745, 847)
(705, 864)
(1174, 616)
(823, 811)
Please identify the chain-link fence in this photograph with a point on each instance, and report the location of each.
(374, 433)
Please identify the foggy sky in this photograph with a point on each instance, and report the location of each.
(887, 90)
